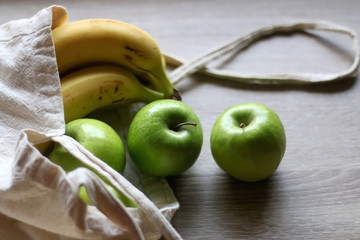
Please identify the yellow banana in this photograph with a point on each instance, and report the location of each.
(99, 86)
(92, 41)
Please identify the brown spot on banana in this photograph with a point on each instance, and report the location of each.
(137, 52)
(128, 57)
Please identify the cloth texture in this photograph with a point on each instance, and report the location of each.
(38, 199)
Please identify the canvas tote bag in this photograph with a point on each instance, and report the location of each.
(38, 200)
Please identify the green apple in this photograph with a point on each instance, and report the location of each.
(248, 141)
(165, 138)
(126, 201)
(97, 137)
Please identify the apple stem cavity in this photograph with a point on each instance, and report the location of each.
(184, 124)
(242, 125)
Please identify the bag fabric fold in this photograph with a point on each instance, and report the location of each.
(38, 199)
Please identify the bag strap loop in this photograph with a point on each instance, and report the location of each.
(200, 63)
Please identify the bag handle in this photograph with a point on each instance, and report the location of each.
(105, 202)
(200, 63)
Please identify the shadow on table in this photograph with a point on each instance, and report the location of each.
(325, 87)
(221, 206)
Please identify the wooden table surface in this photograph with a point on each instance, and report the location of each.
(315, 192)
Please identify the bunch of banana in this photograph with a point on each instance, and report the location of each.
(99, 86)
(103, 61)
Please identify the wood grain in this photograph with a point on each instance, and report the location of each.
(315, 192)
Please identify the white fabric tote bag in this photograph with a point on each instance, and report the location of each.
(38, 200)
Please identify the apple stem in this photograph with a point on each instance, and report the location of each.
(183, 124)
(242, 125)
